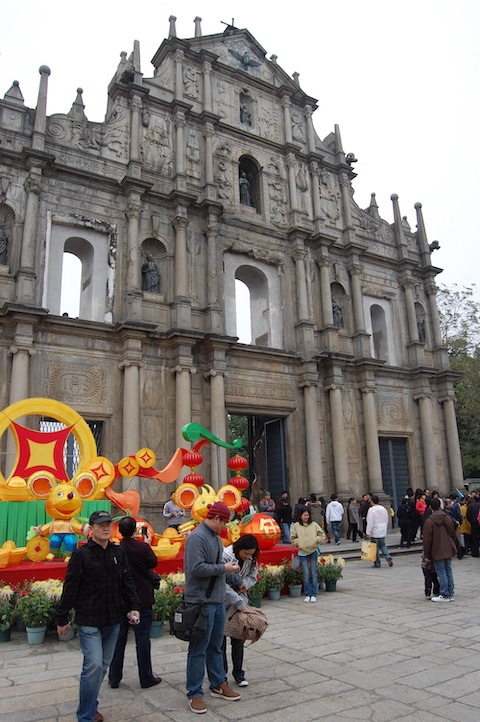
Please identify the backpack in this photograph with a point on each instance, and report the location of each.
(247, 624)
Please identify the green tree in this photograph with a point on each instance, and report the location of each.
(460, 324)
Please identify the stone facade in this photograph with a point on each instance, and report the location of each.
(208, 172)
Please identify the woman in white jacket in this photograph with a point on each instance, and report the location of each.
(245, 551)
(307, 535)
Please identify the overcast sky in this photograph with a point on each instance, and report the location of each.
(400, 79)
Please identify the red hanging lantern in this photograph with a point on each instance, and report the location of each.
(239, 482)
(244, 504)
(237, 463)
(192, 459)
(196, 479)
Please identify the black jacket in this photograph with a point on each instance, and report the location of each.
(98, 585)
(140, 558)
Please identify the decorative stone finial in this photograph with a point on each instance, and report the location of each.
(198, 27)
(172, 32)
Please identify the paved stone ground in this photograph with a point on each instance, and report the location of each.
(375, 650)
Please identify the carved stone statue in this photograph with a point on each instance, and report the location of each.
(245, 116)
(150, 276)
(422, 334)
(3, 246)
(245, 195)
(337, 315)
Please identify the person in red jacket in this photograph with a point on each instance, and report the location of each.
(439, 547)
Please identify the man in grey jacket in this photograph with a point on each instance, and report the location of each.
(202, 562)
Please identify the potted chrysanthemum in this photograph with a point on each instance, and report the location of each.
(274, 579)
(6, 612)
(330, 570)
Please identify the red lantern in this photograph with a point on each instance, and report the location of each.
(263, 527)
(192, 459)
(237, 463)
(196, 479)
(239, 482)
(244, 504)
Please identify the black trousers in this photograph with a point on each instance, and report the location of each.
(237, 658)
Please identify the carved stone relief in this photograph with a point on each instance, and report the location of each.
(157, 147)
(392, 412)
(74, 383)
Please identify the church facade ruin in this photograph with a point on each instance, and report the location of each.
(205, 176)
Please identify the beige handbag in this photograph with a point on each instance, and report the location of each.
(368, 551)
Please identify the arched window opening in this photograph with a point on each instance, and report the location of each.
(248, 181)
(243, 312)
(259, 307)
(71, 285)
(379, 332)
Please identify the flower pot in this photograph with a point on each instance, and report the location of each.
(157, 629)
(20, 625)
(295, 590)
(273, 594)
(330, 585)
(5, 635)
(36, 635)
(256, 602)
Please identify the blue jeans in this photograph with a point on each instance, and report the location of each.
(98, 646)
(381, 547)
(143, 645)
(310, 574)
(336, 529)
(207, 651)
(443, 567)
(285, 532)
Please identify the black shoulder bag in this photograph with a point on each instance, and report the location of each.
(190, 621)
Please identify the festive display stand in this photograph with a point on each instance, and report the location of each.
(57, 569)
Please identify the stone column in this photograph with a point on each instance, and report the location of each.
(131, 413)
(338, 435)
(21, 351)
(215, 323)
(218, 427)
(208, 135)
(453, 443)
(183, 410)
(310, 130)
(371, 441)
(359, 318)
(287, 119)
(180, 143)
(136, 106)
(179, 55)
(207, 87)
(346, 199)
(431, 290)
(325, 290)
(180, 224)
(301, 283)
(292, 185)
(315, 172)
(26, 277)
(312, 439)
(411, 315)
(428, 440)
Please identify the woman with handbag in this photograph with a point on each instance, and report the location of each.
(307, 535)
(141, 560)
(245, 551)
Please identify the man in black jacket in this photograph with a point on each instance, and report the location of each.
(98, 585)
(140, 558)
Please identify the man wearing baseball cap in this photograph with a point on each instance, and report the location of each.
(97, 585)
(203, 562)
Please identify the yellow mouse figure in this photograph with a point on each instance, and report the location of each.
(63, 503)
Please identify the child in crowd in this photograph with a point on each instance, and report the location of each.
(432, 586)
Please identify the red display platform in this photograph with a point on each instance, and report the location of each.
(57, 569)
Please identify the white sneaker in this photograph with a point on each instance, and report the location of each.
(307, 599)
(440, 598)
(243, 683)
(313, 599)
